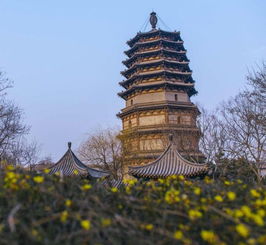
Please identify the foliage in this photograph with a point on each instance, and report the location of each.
(43, 209)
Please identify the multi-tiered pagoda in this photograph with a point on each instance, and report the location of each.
(158, 85)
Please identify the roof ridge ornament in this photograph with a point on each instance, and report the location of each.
(69, 145)
(170, 136)
(153, 20)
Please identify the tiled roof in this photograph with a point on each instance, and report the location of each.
(69, 165)
(169, 163)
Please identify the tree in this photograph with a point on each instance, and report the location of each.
(244, 128)
(213, 135)
(14, 148)
(237, 129)
(257, 81)
(103, 149)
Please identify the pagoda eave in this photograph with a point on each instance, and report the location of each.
(187, 87)
(156, 106)
(155, 52)
(154, 42)
(126, 73)
(157, 73)
(132, 41)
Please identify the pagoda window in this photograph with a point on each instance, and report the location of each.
(129, 124)
(178, 120)
(131, 102)
(176, 98)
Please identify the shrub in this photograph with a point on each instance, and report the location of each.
(42, 209)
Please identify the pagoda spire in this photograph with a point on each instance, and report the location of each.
(153, 20)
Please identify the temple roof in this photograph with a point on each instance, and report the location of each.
(70, 165)
(169, 163)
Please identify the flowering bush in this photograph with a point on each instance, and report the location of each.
(42, 209)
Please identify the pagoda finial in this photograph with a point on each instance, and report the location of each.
(69, 145)
(153, 20)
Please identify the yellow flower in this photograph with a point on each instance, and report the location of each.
(129, 182)
(46, 171)
(86, 187)
(181, 177)
(260, 203)
(34, 232)
(197, 191)
(10, 167)
(242, 230)
(114, 189)
(10, 175)
(106, 222)
(203, 200)
(85, 224)
(254, 193)
(246, 210)
(261, 212)
(238, 213)
(148, 227)
(218, 198)
(161, 181)
(178, 235)
(252, 241)
(172, 196)
(207, 180)
(63, 216)
(257, 219)
(208, 236)
(194, 214)
(68, 203)
(38, 179)
(231, 195)
(227, 182)
(75, 172)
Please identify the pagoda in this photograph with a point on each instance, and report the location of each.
(158, 86)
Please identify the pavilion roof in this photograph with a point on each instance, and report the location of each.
(168, 164)
(70, 165)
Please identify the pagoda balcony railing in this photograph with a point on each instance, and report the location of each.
(158, 103)
(165, 126)
(167, 58)
(148, 40)
(174, 60)
(158, 49)
(155, 40)
(141, 62)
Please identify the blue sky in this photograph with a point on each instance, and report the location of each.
(65, 57)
